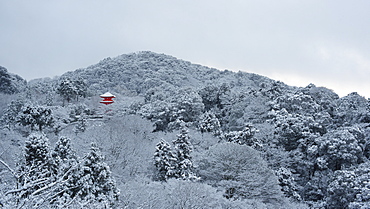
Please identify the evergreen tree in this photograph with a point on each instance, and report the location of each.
(351, 109)
(81, 88)
(94, 180)
(11, 112)
(69, 89)
(163, 160)
(340, 149)
(245, 136)
(63, 154)
(36, 150)
(66, 89)
(184, 164)
(35, 116)
(187, 105)
(210, 123)
(66, 169)
(57, 179)
(212, 95)
(168, 113)
(293, 128)
(34, 170)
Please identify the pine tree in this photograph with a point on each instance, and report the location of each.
(35, 116)
(163, 160)
(64, 168)
(63, 154)
(34, 171)
(94, 181)
(69, 89)
(66, 89)
(184, 165)
(210, 123)
(36, 150)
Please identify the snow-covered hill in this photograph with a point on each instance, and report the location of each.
(185, 136)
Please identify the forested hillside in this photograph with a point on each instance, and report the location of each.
(181, 135)
(9, 83)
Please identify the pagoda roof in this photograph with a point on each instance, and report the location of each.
(107, 94)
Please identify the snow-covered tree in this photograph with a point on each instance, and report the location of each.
(79, 110)
(94, 180)
(164, 160)
(186, 106)
(293, 128)
(36, 151)
(7, 82)
(183, 166)
(362, 187)
(212, 95)
(341, 189)
(66, 89)
(10, 115)
(160, 112)
(182, 145)
(287, 183)
(63, 154)
(72, 89)
(34, 171)
(81, 125)
(349, 188)
(241, 172)
(81, 88)
(314, 190)
(37, 175)
(351, 109)
(35, 116)
(210, 123)
(65, 167)
(297, 102)
(322, 96)
(245, 136)
(57, 179)
(340, 149)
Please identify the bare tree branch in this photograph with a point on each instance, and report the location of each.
(8, 167)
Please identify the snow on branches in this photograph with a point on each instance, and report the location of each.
(174, 162)
(58, 178)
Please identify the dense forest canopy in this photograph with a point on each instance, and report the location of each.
(9, 83)
(180, 135)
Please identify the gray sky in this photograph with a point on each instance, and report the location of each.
(325, 42)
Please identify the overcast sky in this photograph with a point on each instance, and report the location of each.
(325, 42)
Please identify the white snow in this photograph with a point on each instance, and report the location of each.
(107, 94)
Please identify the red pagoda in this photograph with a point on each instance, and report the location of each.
(107, 98)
